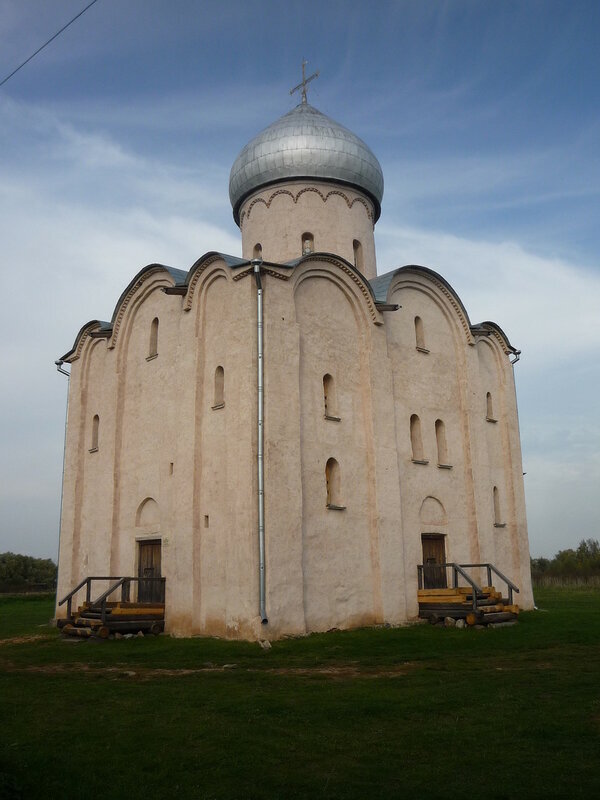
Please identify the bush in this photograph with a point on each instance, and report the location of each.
(584, 562)
(24, 573)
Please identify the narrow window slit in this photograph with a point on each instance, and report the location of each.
(489, 408)
(95, 433)
(416, 441)
(153, 348)
(333, 485)
(442, 446)
(329, 398)
(219, 396)
(308, 243)
(420, 335)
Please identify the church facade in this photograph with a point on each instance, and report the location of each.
(289, 433)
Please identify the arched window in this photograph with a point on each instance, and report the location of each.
(420, 335)
(489, 408)
(329, 398)
(442, 447)
(497, 511)
(332, 482)
(416, 439)
(257, 251)
(95, 432)
(308, 243)
(153, 349)
(358, 254)
(219, 398)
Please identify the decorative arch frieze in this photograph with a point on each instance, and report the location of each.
(444, 293)
(199, 270)
(494, 343)
(126, 299)
(295, 197)
(374, 313)
(502, 342)
(349, 202)
(83, 337)
(489, 330)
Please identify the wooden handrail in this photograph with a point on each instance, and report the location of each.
(512, 587)
(123, 581)
(459, 569)
(73, 591)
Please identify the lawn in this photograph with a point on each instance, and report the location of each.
(384, 713)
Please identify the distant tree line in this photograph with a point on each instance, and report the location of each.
(583, 562)
(24, 573)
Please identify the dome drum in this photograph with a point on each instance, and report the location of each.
(305, 144)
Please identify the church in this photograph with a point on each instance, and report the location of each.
(284, 438)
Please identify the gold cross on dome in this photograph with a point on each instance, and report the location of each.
(305, 81)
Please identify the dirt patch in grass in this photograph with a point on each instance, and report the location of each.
(149, 673)
(26, 639)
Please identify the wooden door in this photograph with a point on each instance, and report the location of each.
(149, 591)
(434, 554)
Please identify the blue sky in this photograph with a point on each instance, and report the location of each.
(115, 149)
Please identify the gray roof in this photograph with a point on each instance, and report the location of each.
(381, 284)
(305, 143)
(178, 274)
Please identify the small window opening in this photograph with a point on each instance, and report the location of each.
(358, 254)
(497, 510)
(95, 432)
(308, 243)
(219, 398)
(171, 468)
(257, 251)
(329, 398)
(420, 335)
(206, 521)
(333, 485)
(416, 440)
(489, 408)
(153, 349)
(442, 447)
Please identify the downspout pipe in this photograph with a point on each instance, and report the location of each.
(257, 264)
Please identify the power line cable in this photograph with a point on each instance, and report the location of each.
(39, 50)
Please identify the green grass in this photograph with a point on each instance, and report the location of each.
(375, 713)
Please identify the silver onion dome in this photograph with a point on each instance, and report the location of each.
(305, 143)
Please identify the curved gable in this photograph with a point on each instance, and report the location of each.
(357, 279)
(443, 291)
(93, 329)
(492, 329)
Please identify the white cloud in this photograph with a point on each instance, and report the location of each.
(78, 218)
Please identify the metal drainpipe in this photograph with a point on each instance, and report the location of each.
(257, 263)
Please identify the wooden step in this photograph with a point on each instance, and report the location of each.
(445, 599)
